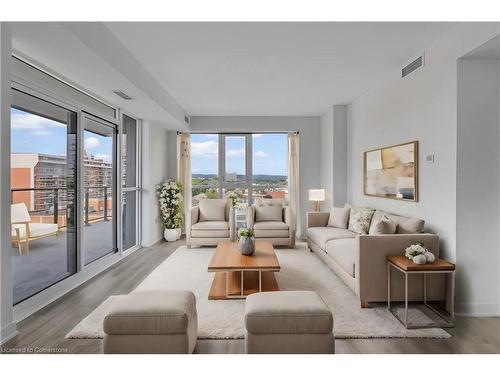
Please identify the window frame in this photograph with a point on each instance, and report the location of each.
(247, 185)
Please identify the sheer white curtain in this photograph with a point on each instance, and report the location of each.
(293, 180)
(184, 175)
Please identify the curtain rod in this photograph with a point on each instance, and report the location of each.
(241, 133)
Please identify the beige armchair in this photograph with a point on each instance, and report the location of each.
(274, 227)
(212, 221)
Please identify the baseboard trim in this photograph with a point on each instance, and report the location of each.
(8, 332)
(152, 243)
(479, 310)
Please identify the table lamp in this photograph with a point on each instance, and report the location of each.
(317, 195)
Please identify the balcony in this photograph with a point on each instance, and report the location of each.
(53, 258)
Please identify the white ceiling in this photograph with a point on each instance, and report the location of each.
(271, 68)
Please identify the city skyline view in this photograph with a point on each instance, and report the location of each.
(269, 154)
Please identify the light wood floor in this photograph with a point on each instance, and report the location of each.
(46, 328)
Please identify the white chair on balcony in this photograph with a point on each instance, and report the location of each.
(23, 230)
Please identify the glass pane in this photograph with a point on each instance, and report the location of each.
(129, 152)
(99, 224)
(204, 166)
(43, 175)
(203, 192)
(235, 159)
(129, 205)
(270, 166)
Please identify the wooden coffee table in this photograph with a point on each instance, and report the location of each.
(237, 275)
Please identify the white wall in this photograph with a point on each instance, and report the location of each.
(334, 156)
(7, 326)
(327, 157)
(310, 144)
(154, 170)
(422, 107)
(478, 186)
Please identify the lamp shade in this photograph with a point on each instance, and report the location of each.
(316, 194)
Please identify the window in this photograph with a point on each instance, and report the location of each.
(242, 166)
(204, 166)
(270, 166)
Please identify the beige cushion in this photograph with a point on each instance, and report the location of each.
(211, 225)
(151, 313)
(384, 226)
(270, 225)
(210, 233)
(287, 312)
(321, 235)
(275, 233)
(404, 225)
(339, 217)
(212, 209)
(410, 225)
(343, 252)
(268, 213)
(360, 219)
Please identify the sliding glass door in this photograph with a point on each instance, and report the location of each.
(99, 188)
(44, 195)
(130, 182)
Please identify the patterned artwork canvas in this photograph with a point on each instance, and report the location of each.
(392, 172)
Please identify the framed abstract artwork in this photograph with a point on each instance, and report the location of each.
(392, 172)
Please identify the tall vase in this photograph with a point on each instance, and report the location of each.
(246, 245)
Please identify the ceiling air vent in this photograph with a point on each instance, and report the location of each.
(122, 95)
(186, 119)
(411, 67)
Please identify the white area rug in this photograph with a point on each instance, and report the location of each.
(300, 270)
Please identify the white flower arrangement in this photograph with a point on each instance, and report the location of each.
(419, 254)
(171, 203)
(414, 250)
(236, 196)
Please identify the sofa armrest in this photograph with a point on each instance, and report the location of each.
(287, 216)
(194, 214)
(232, 224)
(250, 216)
(372, 265)
(317, 219)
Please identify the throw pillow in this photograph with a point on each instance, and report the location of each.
(411, 225)
(385, 226)
(359, 219)
(339, 217)
(212, 209)
(269, 213)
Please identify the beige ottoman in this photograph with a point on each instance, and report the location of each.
(152, 322)
(288, 323)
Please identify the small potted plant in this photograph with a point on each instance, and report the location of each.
(170, 201)
(246, 244)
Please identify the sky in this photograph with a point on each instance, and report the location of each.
(269, 154)
(36, 134)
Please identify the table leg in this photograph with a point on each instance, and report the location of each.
(452, 302)
(227, 284)
(406, 300)
(260, 281)
(241, 283)
(388, 285)
(425, 288)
